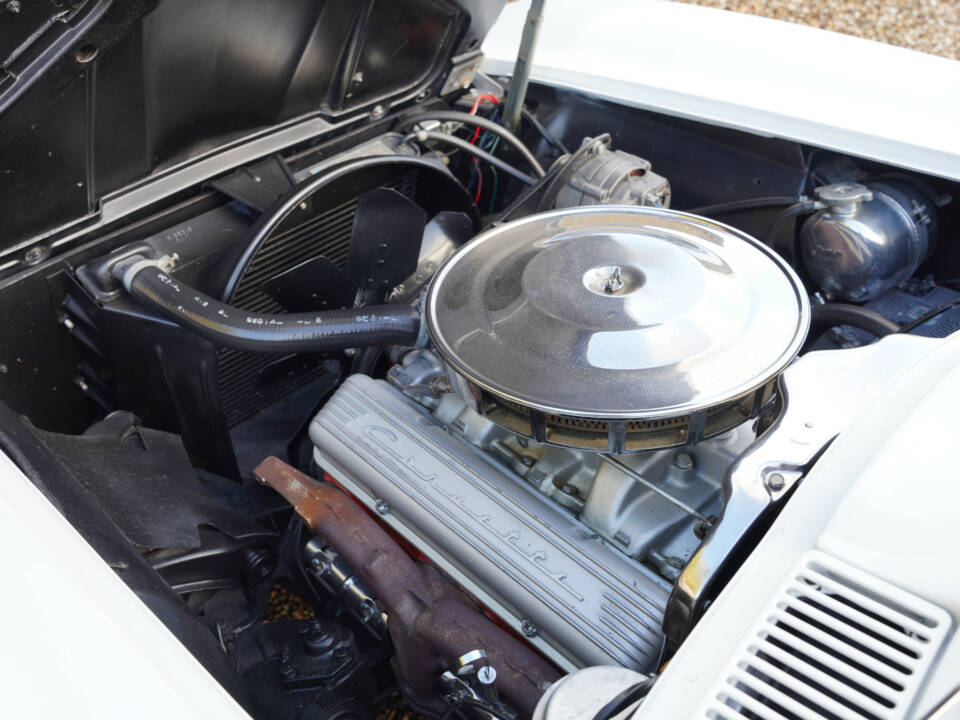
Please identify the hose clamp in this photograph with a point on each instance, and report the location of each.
(128, 269)
(423, 336)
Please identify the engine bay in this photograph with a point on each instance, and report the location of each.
(491, 406)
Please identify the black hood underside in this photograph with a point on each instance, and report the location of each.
(98, 94)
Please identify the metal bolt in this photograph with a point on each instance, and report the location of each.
(776, 481)
(382, 507)
(527, 460)
(439, 385)
(260, 564)
(700, 529)
(378, 111)
(13, 6)
(368, 609)
(67, 323)
(35, 255)
(683, 461)
(614, 282)
(528, 628)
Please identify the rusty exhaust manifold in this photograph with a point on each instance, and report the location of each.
(431, 623)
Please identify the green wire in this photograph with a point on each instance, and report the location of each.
(493, 170)
(493, 190)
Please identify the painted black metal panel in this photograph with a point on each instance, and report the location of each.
(144, 85)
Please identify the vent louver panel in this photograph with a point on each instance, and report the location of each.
(835, 643)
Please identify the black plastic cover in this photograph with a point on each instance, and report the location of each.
(98, 94)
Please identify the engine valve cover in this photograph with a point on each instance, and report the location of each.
(537, 567)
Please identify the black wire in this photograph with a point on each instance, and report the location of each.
(261, 603)
(828, 315)
(365, 361)
(505, 214)
(789, 215)
(546, 134)
(733, 206)
(795, 210)
(625, 699)
(273, 216)
(549, 196)
(454, 710)
(929, 315)
(464, 145)
(478, 121)
(468, 702)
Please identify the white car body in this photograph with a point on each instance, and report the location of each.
(884, 495)
(106, 652)
(765, 76)
(102, 654)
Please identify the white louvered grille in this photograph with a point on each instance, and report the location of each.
(834, 643)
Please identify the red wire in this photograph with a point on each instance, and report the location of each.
(486, 97)
(476, 134)
(473, 111)
(476, 199)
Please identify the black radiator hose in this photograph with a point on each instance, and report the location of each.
(830, 315)
(232, 327)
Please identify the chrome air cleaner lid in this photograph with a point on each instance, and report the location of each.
(617, 328)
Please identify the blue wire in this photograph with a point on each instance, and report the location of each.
(488, 142)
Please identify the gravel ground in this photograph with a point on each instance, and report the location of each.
(931, 26)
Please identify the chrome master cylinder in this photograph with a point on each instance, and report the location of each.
(869, 238)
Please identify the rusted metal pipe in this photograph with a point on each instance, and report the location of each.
(431, 622)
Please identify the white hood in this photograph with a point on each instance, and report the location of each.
(765, 76)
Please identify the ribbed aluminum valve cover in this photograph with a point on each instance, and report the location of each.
(617, 328)
(578, 600)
